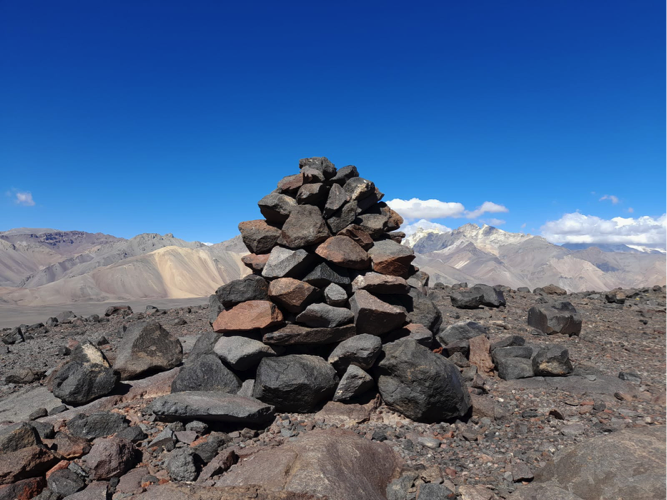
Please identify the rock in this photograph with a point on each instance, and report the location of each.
(241, 353)
(336, 199)
(491, 296)
(542, 492)
(319, 163)
(294, 383)
(51, 322)
(391, 258)
(343, 251)
(118, 310)
(165, 439)
(132, 434)
(422, 310)
(206, 373)
(377, 283)
(147, 348)
(21, 376)
(522, 351)
(211, 407)
(215, 307)
(24, 489)
(247, 316)
(625, 464)
(25, 463)
(479, 354)
(552, 361)
(87, 353)
(361, 350)
(378, 219)
(304, 227)
(374, 316)
(251, 287)
(65, 316)
(77, 383)
(312, 176)
(630, 377)
(335, 295)
(415, 331)
(15, 336)
(311, 194)
(286, 263)
(291, 294)
(204, 345)
(420, 384)
(463, 330)
(399, 488)
(354, 382)
(559, 317)
(326, 273)
(476, 493)
(360, 237)
(325, 316)
(276, 207)
(344, 174)
(521, 472)
(64, 482)
(333, 463)
(343, 217)
(551, 290)
(70, 447)
(467, 299)
(255, 262)
(290, 185)
(220, 464)
(96, 425)
(514, 368)
(301, 335)
(358, 188)
(615, 297)
(508, 341)
(181, 465)
(15, 437)
(434, 491)
(111, 457)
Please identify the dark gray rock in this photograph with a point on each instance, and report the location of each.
(358, 188)
(344, 174)
(434, 491)
(423, 311)
(508, 341)
(290, 184)
(146, 348)
(206, 373)
(15, 437)
(64, 482)
(286, 263)
(514, 368)
(276, 207)
(325, 316)
(420, 384)
(326, 273)
(522, 351)
(241, 353)
(319, 163)
(552, 361)
(374, 316)
(215, 307)
(204, 345)
(96, 425)
(523, 289)
(15, 336)
(181, 465)
(343, 217)
(132, 434)
(557, 317)
(77, 383)
(354, 383)
(65, 316)
(304, 227)
(211, 406)
(259, 236)
(415, 331)
(630, 377)
(361, 350)
(491, 296)
(467, 299)
(302, 335)
(336, 199)
(251, 287)
(311, 194)
(294, 383)
(463, 330)
(312, 176)
(335, 295)
(390, 257)
(44, 429)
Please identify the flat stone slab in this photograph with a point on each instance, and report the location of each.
(211, 406)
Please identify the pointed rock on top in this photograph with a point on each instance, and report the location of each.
(319, 163)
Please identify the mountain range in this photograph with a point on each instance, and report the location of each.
(49, 267)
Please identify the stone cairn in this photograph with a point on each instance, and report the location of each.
(334, 307)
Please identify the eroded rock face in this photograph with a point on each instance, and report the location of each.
(420, 384)
(146, 348)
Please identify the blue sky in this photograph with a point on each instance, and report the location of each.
(128, 117)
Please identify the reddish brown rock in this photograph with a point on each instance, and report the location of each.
(111, 457)
(23, 490)
(251, 315)
(25, 463)
(290, 185)
(391, 258)
(292, 294)
(361, 237)
(221, 463)
(259, 236)
(480, 355)
(255, 262)
(343, 250)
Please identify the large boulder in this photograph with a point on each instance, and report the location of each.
(147, 348)
(24, 463)
(294, 383)
(211, 406)
(333, 463)
(374, 316)
(420, 384)
(251, 287)
(247, 316)
(276, 207)
(14, 437)
(206, 373)
(478, 295)
(557, 317)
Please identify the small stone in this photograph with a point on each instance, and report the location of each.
(181, 465)
(335, 295)
(354, 382)
(552, 361)
(206, 373)
(110, 457)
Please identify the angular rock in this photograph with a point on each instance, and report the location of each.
(96, 425)
(422, 310)
(552, 361)
(354, 383)
(65, 316)
(508, 341)
(111, 457)
(312, 176)
(255, 262)
(286, 263)
(523, 351)
(491, 297)
(14, 437)
(204, 345)
(25, 463)
(391, 258)
(325, 316)
(276, 207)
(181, 465)
(15, 336)
(259, 236)
(301, 335)
(311, 194)
(420, 384)
(290, 185)
(326, 273)
(304, 227)
(247, 316)
(215, 307)
(377, 283)
(343, 217)
(463, 330)
(77, 383)
(559, 317)
(379, 219)
(241, 353)
(514, 368)
(118, 310)
(467, 299)
(361, 350)
(86, 353)
(291, 294)
(206, 373)
(479, 354)
(335, 295)
(24, 489)
(344, 174)
(374, 316)
(220, 464)
(343, 251)
(251, 287)
(336, 199)
(415, 331)
(294, 383)
(146, 348)
(434, 491)
(211, 407)
(370, 203)
(551, 290)
(64, 482)
(70, 447)
(360, 237)
(358, 188)
(319, 163)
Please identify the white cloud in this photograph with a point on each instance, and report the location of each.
(426, 209)
(487, 207)
(579, 228)
(24, 198)
(494, 222)
(610, 197)
(424, 224)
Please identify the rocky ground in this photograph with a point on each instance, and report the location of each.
(516, 428)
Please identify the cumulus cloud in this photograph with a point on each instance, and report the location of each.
(486, 207)
(580, 228)
(426, 209)
(24, 198)
(424, 224)
(610, 197)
